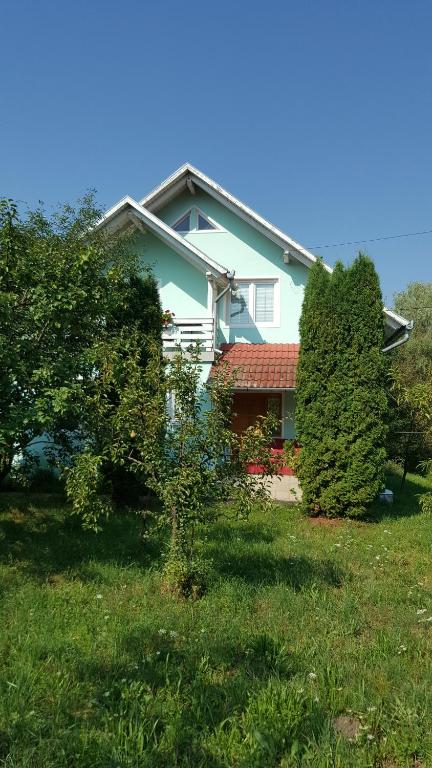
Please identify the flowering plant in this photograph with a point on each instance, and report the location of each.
(167, 318)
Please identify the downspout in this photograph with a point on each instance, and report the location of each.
(230, 277)
(408, 328)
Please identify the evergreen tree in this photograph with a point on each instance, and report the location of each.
(342, 410)
(312, 374)
(356, 392)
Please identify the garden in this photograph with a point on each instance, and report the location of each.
(157, 607)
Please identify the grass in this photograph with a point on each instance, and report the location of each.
(303, 623)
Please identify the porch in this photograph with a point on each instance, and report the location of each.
(265, 381)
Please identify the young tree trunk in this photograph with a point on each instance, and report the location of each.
(5, 467)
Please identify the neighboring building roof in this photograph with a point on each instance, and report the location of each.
(117, 216)
(261, 366)
(187, 176)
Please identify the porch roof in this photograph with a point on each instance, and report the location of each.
(261, 366)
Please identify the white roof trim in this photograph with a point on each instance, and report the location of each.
(187, 170)
(165, 233)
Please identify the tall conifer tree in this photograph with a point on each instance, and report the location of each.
(363, 417)
(312, 375)
(341, 390)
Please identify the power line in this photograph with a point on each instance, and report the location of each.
(373, 239)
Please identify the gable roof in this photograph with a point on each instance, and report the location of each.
(260, 366)
(188, 175)
(127, 207)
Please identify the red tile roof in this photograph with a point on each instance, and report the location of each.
(261, 366)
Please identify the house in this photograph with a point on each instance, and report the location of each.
(234, 281)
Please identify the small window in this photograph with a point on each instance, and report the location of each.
(254, 302)
(204, 224)
(183, 224)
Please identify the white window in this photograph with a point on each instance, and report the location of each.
(195, 220)
(255, 302)
(183, 224)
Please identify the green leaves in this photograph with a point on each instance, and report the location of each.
(63, 285)
(411, 380)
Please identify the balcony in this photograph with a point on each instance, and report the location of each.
(188, 330)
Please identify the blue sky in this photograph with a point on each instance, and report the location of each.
(317, 114)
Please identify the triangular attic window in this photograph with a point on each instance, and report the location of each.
(183, 224)
(204, 224)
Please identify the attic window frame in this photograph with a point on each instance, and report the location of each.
(215, 226)
(179, 219)
(194, 212)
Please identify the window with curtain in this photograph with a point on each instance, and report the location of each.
(253, 302)
(264, 302)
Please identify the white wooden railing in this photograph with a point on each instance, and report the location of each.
(188, 330)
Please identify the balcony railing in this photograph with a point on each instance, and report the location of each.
(188, 330)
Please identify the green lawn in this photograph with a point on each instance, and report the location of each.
(303, 623)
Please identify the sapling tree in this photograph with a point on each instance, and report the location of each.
(178, 432)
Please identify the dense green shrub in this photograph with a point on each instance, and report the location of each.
(66, 288)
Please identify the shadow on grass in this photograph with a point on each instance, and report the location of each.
(38, 535)
(406, 502)
(296, 572)
(177, 695)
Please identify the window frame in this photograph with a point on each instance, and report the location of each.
(193, 213)
(217, 227)
(275, 323)
(179, 219)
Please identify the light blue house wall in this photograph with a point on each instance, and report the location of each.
(183, 288)
(242, 248)
(237, 246)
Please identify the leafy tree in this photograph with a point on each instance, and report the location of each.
(341, 413)
(187, 450)
(63, 285)
(410, 436)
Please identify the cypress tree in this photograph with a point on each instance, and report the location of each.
(363, 409)
(312, 374)
(341, 390)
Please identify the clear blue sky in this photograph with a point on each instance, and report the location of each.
(317, 114)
